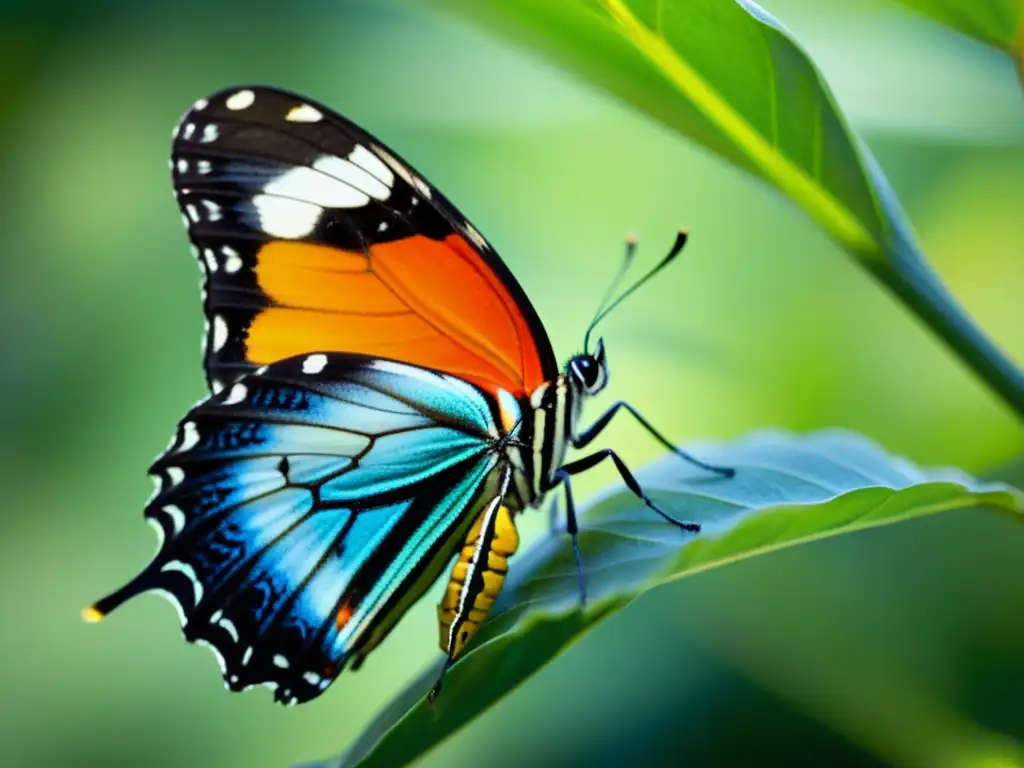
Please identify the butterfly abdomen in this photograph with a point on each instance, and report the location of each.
(476, 580)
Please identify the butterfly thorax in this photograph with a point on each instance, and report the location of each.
(548, 422)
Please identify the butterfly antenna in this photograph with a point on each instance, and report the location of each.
(623, 268)
(677, 247)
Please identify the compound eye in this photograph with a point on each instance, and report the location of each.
(587, 370)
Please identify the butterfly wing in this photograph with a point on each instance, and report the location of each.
(315, 237)
(305, 507)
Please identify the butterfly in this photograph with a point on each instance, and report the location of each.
(383, 400)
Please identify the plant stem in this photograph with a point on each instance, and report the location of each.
(908, 275)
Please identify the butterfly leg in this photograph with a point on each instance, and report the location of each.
(553, 517)
(436, 690)
(571, 527)
(587, 435)
(588, 462)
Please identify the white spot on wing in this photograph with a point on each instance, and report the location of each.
(286, 218)
(204, 166)
(192, 211)
(229, 627)
(189, 437)
(190, 128)
(247, 655)
(232, 261)
(220, 333)
(177, 517)
(238, 394)
(210, 133)
(369, 162)
(240, 100)
(200, 105)
(280, 661)
(175, 475)
(330, 183)
(314, 363)
(311, 677)
(212, 209)
(182, 165)
(211, 261)
(304, 114)
(353, 175)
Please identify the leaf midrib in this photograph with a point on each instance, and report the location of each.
(835, 217)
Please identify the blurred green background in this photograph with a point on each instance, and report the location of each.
(900, 646)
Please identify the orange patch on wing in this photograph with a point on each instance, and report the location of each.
(344, 614)
(359, 293)
(289, 254)
(528, 360)
(325, 279)
(280, 332)
(422, 301)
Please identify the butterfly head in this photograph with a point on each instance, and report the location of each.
(589, 371)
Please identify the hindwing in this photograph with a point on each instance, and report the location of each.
(305, 507)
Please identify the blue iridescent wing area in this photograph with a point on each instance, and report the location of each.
(304, 508)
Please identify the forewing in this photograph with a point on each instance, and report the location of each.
(315, 237)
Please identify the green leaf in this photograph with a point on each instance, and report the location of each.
(723, 73)
(788, 490)
(727, 74)
(997, 23)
